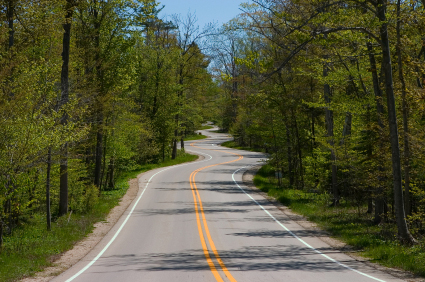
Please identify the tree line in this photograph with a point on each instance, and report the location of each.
(90, 89)
(334, 91)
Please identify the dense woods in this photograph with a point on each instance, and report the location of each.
(333, 90)
(88, 90)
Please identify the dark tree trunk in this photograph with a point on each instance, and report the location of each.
(369, 205)
(98, 160)
(174, 153)
(48, 213)
(99, 133)
(103, 183)
(313, 133)
(403, 231)
(346, 131)
(369, 152)
(176, 133)
(111, 170)
(63, 192)
(330, 134)
(289, 155)
(379, 197)
(182, 143)
(299, 151)
(405, 117)
(63, 201)
(163, 151)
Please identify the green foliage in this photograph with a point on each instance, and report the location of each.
(132, 86)
(312, 94)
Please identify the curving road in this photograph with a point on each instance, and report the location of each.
(197, 222)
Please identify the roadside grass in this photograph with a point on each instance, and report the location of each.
(348, 223)
(30, 248)
(194, 137)
(204, 127)
(233, 145)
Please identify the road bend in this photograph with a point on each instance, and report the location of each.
(198, 222)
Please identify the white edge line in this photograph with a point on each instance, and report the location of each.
(298, 238)
(128, 216)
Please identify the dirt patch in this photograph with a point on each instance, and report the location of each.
(248, 177)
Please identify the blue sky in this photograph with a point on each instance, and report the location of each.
(219, 11)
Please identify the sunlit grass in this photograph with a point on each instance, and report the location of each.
(194, 137)
(234, 145)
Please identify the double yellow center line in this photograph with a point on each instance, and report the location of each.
(200, 210)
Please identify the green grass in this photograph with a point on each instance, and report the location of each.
(204, 127)
(234, 145)
(194, 137)
(31, 248)
(346, 223)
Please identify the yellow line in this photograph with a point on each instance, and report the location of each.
(211, 242)
(201, 235)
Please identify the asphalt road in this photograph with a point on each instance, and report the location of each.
(197, 222)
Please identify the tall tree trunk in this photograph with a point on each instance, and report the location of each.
(103, 182)
(63, 201)
(174, 152)
(111, 170)
(346, 131)
(330, 134)
(405, 117)
(63, 194)
(313, 134)
(99, 133)
(379, 197)
(163, 151)
(403, 231)
(48, 213)
(289, 156)
(300, 159)
(98, 160)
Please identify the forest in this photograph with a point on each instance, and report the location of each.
(90, 90)
(332, 90)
